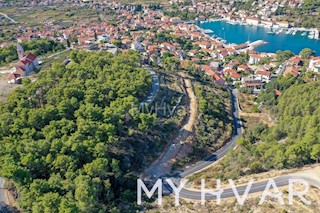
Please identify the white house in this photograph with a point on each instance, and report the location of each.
(136, 46)
(264, 76)
(252, 21)
(103, 37)
(267, 23)
(254, 58)
(28, 63)
(314, 64)
(175, 20)
(283, 24)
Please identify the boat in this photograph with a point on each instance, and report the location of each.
(311, 36)
(279, 31)
(208, 31)
(304, 33)
(271, 32)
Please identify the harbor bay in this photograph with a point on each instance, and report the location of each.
(279, 39)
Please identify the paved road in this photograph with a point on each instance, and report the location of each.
(6, 16)
(211, 159)
(256, 187)
(1, 190)
(2, 198)
(281, 69)
(228, 192)
(154, 89)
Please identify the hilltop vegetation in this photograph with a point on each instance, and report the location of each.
(72, 140)
(214, 120)
(292, 142)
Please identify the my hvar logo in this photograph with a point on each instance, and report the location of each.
(268, 189)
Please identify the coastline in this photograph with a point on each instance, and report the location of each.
(271, 27)
(283, 39)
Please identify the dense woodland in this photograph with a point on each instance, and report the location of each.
(36, 46)
(72, 140)
(215, 120)
(292, 142)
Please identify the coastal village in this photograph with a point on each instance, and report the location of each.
(170, 48)
(137, 31)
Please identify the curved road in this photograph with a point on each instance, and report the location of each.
(224, 150)
(258, 186)
(216, 155)
(228, 192)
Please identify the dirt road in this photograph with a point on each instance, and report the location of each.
(180, 145)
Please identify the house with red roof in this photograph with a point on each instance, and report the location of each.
(263, 75)
(251, 82)
(295, 61)
(215, 76)
(254, 58)
(24, 66)
(28, 63)
(235, 77)
(244, 68)
(293, 71)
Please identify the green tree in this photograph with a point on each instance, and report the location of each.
(171, 64)
(315, 153)
(306, 53)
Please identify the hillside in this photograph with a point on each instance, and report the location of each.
(65, 141)
(292, 142)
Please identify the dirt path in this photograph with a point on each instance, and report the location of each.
(58, 53)
(6, 16)
(263, 117)
(181, 144)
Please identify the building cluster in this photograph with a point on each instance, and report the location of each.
(261, 12)
(139, 31)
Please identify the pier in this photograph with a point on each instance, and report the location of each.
(257, 43)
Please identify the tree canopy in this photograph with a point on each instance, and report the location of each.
(292, 142)
(64, 140)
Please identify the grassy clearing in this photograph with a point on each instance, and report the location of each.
(38, 15)
(246, 102)
(59, 58)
